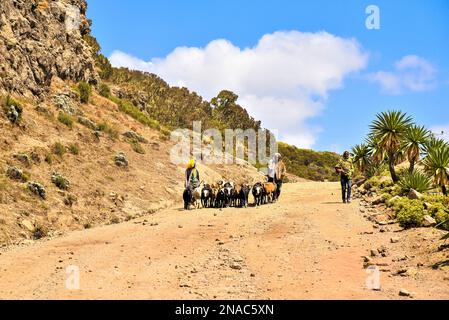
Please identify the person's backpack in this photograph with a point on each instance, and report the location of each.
(194, 178)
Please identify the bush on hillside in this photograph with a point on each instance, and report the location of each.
(85, 91)
(410, 213)
(39, 232)
(65, 119)
(12, 108)
(60, 181)
(104, 90)
(131, 110)
(137, 147)
(59, 149)
(107, 128)
(74, 149)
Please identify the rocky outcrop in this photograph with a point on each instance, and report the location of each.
(134, 136)
(14, 173)
(37, 189)
(41, 39)
(121, 160)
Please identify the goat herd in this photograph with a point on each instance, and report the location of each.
(228, 194)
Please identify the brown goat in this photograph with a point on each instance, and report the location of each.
(236, 196)
(269, 192)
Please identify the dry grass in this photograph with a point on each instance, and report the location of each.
(42, 6)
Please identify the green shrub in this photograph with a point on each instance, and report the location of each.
(85, 91)
(49, 158)
(375, 170)
(8, 101)
(392, 190)
(137, 147)
(410, 213)
(442, 218)
(131, 110)
(39, 232)
(396, 202)
(115, 220)
(74, 149)
(386, 197)
(417, 181)
(110, 130)
(438, 207)
(60, 182)
(59, 149)
(436, 199)
(70, 200)
(372, 183)
(26, 176)
(14, 116)
(104, 90)
(386, 184)
(66, 119)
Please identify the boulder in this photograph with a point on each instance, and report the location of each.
(14, 173)
(395, 240)
(428, 221)
(121, 160)
(64, 103)
(42, 108)
(87, 123)
(37, 189)
(14, 113)
(135, 136)
(427, 205)
(414, 195)
(404, 293)
(360, 182)
(23, 158)
(383, 251)
(377, 200)
(235, 265)
(368, 186)
(27, 224)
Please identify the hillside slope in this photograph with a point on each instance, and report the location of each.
(100, 191)
(309, 164)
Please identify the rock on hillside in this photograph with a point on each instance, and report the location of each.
(40, 39)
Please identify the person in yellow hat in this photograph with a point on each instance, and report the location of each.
(192, 175)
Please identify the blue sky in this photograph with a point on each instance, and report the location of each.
(404, 65)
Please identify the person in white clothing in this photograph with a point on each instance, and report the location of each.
(271, 169)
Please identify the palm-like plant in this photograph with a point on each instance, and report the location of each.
(377, 153)
(415, 180)
(389, 130)
(415, 139)
(362, 156)
(434, 143)
(436, 164)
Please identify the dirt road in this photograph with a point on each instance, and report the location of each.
(306, 246)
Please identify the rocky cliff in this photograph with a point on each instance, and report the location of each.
(41, 39)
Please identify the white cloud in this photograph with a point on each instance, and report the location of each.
(441, 131)
(284, 80)
(411, 73)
